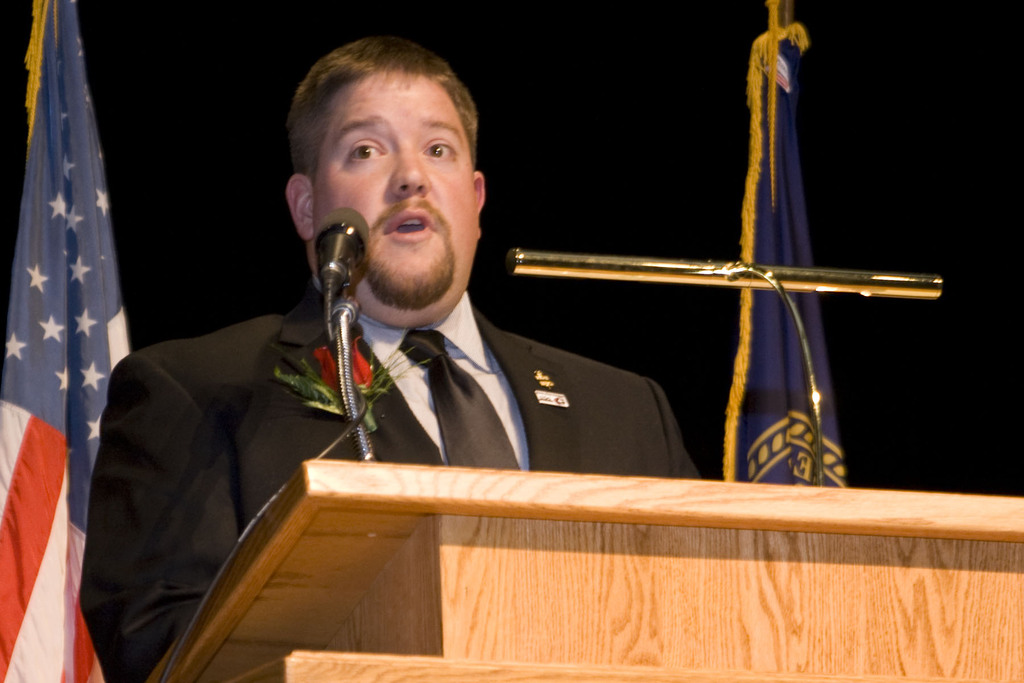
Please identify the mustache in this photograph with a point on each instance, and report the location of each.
(406, 204)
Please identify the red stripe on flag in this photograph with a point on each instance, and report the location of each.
(27, 520)
(84, 657)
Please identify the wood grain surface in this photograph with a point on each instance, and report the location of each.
(771, 602)
(330, 667)
(677, 502)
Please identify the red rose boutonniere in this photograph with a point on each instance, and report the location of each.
(361, 370)
(320, 390)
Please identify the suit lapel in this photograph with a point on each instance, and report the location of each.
(552, 433)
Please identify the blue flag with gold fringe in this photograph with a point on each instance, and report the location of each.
(769, 438)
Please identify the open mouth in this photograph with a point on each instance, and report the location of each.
(408, 218)
(410, 226)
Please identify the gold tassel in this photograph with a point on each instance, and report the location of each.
(34, 58)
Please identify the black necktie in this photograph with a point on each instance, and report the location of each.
(472, 433)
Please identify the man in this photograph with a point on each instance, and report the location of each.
(198, 434)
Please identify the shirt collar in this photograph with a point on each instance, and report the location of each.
(459, 328)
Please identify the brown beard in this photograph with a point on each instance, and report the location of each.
(400, 290)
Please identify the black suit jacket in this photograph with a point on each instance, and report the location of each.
(198, 434)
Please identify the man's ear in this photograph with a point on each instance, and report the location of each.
(480, 188)
(299, 194)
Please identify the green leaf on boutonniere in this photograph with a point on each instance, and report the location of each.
(312, 390)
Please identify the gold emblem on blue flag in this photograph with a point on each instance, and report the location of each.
(789, 444)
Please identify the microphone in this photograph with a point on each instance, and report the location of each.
(340, 247)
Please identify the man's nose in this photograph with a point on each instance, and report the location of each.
(410, 179)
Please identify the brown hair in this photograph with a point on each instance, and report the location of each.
(311, 105)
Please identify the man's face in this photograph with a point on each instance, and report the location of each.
(396, 152)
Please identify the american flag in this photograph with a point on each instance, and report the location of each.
(65, 331)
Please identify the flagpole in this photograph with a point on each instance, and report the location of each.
(786, 12)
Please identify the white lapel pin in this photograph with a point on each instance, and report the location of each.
(551, 398)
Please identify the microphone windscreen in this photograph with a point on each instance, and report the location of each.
(344, 218)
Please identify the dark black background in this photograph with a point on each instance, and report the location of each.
(617, 132)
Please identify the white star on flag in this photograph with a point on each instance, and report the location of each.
(84, 322)
(37, 277)
(73, 219)
(14, 347)
(78, 270)
(59, 207)
(51, 329)
(92, 377)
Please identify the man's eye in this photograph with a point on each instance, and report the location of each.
(439, 151)
(362, 152)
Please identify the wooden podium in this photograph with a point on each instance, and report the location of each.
(371, 572)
